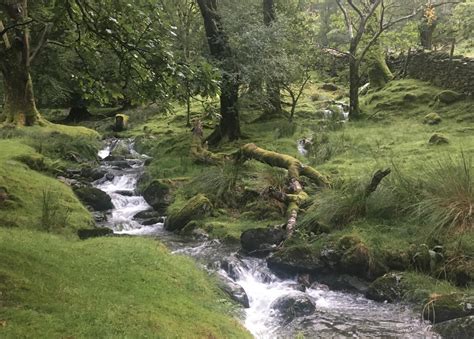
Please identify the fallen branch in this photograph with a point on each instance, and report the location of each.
(376, 180)
(293, 195)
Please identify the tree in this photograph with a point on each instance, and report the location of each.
(229, 125)
(361, 39)
(272, 86)
(16, 55)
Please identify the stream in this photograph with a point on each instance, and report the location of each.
(337, 314)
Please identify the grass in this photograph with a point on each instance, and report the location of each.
(27, 188)
(114, 287)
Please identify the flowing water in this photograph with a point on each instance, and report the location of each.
(338, 314)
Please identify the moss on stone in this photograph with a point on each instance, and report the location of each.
(195, 208)
(432, 119)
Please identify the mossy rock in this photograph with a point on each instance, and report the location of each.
(438, 139)
(386, 288)
(449, 97)
(196, 208)
(95, 198)
(449, 306)
(296, 259)
(432, 119)
(456, 328)
(460, 272)
(121, 122)
(158, 195)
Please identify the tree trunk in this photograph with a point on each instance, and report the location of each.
(78, 111)
(354, 83)
(273, 87)
(19, 107)
(426, 35)
(219, 47)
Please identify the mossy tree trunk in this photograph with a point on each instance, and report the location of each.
(15, 58)
(354, 83)
(378, 71)
(229, 126)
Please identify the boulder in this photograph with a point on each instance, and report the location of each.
(386, 288)
(94, 233)
(293, 306)
(438, 139)
(232, 266)
(95, 198)
(233, 290)
(355, 256)
(93, 174)
(432, 119)
(196, 208)
(261, 240)
(449, 97)
(295, 260)
(158, 195)
(449, 306)
(456, 328)
(148, 214)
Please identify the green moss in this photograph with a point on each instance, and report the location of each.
(195, 208)
(115, 287)
(432, 119)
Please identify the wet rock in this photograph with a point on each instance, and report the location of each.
(99, 217)
(196, 208)
(200, 234)
(94, 233)
(152, 221)
(344, 282)
(295, 260)
(120, 164)
(95, 198)
(386, 288)
(259, 241)
(432, 119)
(438, 139)
(71, 182)
(158, 195)
(449, 306)
(293, 306)
(231, 265)
(126, 193)
(148, 214)
(233, 290)
(93, 174)
(456, 328)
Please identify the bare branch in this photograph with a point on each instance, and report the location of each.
(358, 11)
(347, 18)
(41, 42)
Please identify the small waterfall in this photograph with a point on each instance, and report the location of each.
(337, 314)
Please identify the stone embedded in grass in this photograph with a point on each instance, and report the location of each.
(438, 139)
(432, 119)
(449, 97)
(456, 328)
(196, 208)
(95, 198)
(329, 87)
(449, 306)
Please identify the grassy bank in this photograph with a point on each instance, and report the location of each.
(120, 287)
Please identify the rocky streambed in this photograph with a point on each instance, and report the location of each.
(278, 305)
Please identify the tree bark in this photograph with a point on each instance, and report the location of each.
(354, 83)
(19, 107)
(272, 87)
(229, 125)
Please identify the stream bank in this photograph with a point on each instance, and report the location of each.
(278, 307)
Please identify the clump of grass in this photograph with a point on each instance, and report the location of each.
(54, 217)
(285, 129)
(446, 199)
(221, 184)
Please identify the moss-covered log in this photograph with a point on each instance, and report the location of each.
(293, 196)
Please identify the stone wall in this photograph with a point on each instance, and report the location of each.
(437, 68)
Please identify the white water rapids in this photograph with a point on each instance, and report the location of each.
(338, 314)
